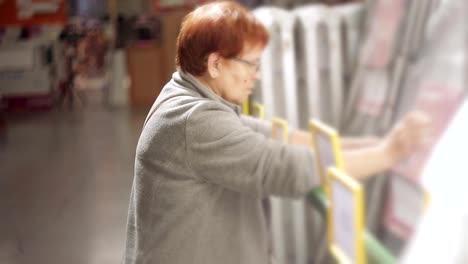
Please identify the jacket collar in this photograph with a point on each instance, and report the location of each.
(189, 81)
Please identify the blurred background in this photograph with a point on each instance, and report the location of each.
(77, 79)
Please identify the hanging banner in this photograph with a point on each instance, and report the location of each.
(32, 12)
(164, 6)
(28, 8)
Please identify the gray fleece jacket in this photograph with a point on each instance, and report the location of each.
(202, 173)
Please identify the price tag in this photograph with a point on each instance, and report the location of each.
(327, 148)
(345, 218)
(406, 204)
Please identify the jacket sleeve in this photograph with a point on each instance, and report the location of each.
(222, 150)
(263, 127)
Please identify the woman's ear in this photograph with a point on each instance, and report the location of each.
(213, 64)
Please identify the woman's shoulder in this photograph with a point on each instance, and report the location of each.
(208, 108)
(174, 102)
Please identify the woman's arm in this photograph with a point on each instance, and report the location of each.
(365, 156)
(350, 143)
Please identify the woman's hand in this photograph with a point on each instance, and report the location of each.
(408, 136)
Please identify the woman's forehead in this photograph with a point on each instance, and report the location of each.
(252, 50)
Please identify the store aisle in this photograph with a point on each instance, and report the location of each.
(65, 180)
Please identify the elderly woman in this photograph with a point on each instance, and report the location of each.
(203, 171)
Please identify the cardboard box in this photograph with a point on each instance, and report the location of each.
(146, 70)
(151, 66)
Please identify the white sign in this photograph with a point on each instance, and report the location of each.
(345, 218)
(408, 200)
(327, 148)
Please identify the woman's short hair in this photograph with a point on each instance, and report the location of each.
(223, 27)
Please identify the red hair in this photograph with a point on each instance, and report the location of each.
(223, 27)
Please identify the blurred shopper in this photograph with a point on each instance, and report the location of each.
(69, 37)
(203, 172)
(91, 51)
(92, 73)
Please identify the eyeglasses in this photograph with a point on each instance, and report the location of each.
(252, 64)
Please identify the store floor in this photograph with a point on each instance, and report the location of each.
(65, 179)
